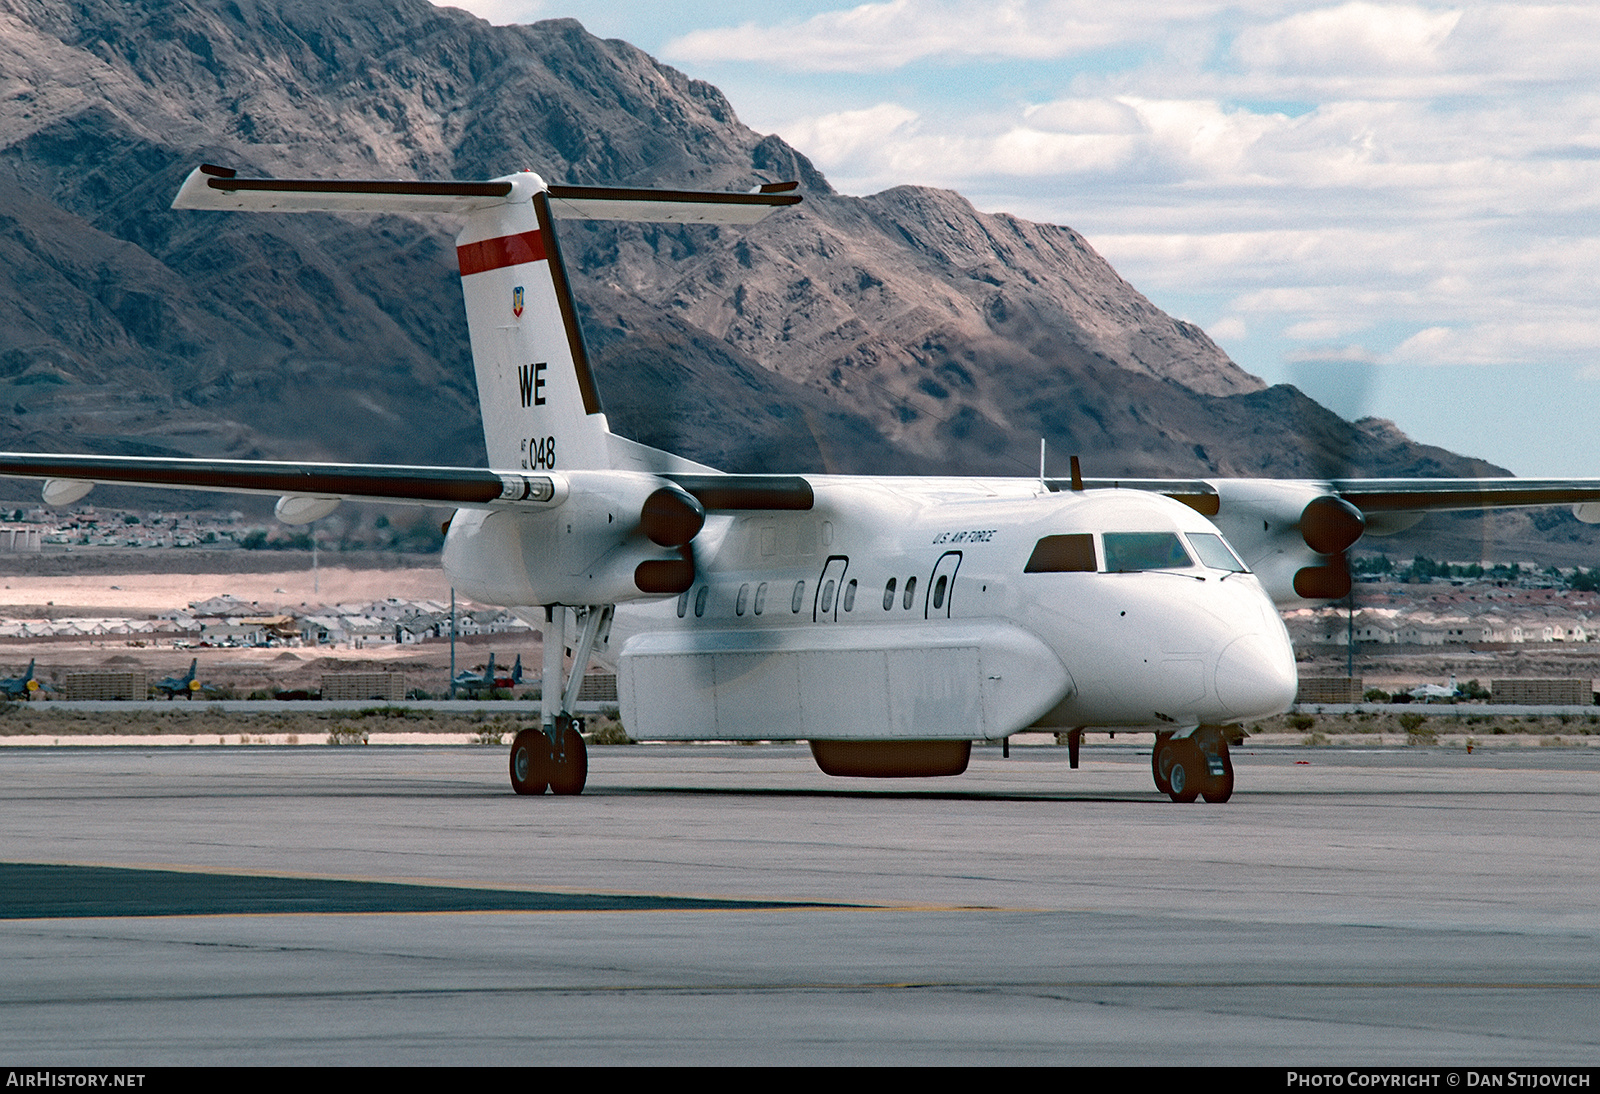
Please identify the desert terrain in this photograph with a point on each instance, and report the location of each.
(102, 591)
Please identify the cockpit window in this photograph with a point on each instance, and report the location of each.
(1132, 551)
(1062, 554)
(1215, 552)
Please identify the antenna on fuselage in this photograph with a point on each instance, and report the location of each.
(1077, 476)
(1042, 487)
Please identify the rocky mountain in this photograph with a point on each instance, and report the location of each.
(899, 332)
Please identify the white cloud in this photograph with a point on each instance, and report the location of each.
(1084, 116)
(875, 37)
(1323, 330)
(1574, 338)
(1354, 38)
(1228, 329)
(1330, 353)
(848, 135)
(504, 12)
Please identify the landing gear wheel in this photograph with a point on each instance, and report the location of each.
(1218, 787)
(569, 759)
(530, 762)
(1186, 771)
(1160, 760)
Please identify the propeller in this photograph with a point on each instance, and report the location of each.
(670, 517)
(1329, 524)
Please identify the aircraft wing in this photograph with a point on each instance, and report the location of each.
(1440, 495)
(1384, 495)
(456, 487)
(459, 486)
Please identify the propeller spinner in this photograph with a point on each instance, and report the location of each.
(1330, 526)
(670, 517)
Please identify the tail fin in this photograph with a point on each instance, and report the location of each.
(540, 407)
(537, 396)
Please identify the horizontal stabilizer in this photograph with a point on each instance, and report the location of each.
(664, 206)
(212, 187)
(220, 188)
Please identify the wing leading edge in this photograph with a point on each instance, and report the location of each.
(1383, 495)
(459, 487)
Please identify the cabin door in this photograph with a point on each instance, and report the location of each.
(830, 590)
(941, 586)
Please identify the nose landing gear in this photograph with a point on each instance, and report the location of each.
(1196, 766)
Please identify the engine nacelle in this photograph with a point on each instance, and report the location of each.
(615, 536)
(1293, 535)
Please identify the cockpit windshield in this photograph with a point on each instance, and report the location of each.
(1130, 552)
(1134, 552)
(1215, 552)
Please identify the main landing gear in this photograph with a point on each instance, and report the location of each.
(1196, 766)
(558, 762)
(554, 756)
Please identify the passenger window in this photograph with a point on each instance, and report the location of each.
(850, 596)
(938, 592)
(744, 598)
(798, 597)
(1129, 552)
(1061, 555)
(827, 598)
(888, 596)
(761, 596)
(911, 593)
(683, 603)
(700, 601)
(1215, 552)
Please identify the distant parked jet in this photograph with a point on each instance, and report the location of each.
(487, 680)
(20, 687)
(188, 684)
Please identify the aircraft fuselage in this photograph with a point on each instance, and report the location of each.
(900, 609)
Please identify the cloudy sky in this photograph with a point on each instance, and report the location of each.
(1394, 206)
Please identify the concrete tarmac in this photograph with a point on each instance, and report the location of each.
(724, 904)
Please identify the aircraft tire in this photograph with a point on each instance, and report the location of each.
(569, 775)
(1159, 761)
(1219, 788)
(530, 762)
(1186, 772)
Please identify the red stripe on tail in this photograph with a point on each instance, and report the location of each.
(497, 253)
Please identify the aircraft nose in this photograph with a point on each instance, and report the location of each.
(1256, 676)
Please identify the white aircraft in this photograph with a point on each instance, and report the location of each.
(889, 622)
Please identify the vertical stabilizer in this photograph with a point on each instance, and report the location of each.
(538, 399)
